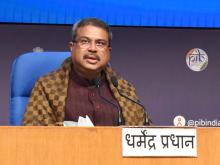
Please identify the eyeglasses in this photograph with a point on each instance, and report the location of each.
(86, 43)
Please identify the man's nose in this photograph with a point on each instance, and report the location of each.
(92, 47)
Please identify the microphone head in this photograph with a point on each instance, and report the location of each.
(114, 81)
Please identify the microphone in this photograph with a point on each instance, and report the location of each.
(97, 84)
(115, 83)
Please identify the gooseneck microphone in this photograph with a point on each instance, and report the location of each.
(115, 83)
(97, 84)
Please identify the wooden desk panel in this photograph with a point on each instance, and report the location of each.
(89, 146)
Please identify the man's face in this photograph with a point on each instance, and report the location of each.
(90, 51)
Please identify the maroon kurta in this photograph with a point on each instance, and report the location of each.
(85, 98)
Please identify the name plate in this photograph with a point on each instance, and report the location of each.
(161, 142)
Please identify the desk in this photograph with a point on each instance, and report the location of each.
(89, 146)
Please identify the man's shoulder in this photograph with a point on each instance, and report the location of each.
(124, 86)
(56, 75)
(125, 83)
(51, 76)
(122, 82)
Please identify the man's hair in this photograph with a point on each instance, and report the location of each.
(94, 22)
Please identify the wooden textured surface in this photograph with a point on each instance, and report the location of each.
(88, 146)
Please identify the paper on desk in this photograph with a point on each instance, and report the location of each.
(70, 123)
(85, 121)
(82, 121)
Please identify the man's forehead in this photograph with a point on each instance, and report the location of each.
(90, 30)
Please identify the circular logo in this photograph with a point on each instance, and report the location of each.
(179, 121)
(197, 59)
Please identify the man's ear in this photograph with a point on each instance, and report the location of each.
(71, 45)
(110, 48)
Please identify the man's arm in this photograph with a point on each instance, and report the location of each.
(39, 111)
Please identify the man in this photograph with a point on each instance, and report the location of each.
(85, 84)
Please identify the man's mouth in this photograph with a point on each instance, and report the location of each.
(91, 58)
